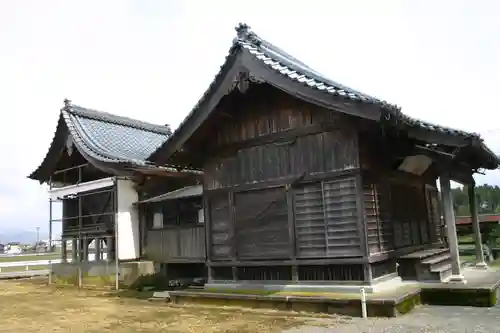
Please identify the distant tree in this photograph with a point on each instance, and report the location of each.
(488, 200)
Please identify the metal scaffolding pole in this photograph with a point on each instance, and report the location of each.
(115, 209)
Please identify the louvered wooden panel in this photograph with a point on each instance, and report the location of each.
(221, 234)
(310, 221)
(386, 222)
(434, 215)
(326, 219)
(372, 217)
(340, 197)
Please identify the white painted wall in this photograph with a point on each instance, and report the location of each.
(128, 220)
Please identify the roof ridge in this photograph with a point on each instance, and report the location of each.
(246, 35)
(116, 119)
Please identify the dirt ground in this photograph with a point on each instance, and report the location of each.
(32, 306)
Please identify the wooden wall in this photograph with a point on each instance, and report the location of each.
(97, 213)
(180, 238)
(401, 209)
(271, 136)
(176, 244)
(270, 142)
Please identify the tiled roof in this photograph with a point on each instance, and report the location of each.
(104, 137)
(286, 65)
(283, 63)
(111, 138)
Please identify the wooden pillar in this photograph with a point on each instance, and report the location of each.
(85, 249)
(208, 238)
(110, 248)
(481, 263)
(449, 219)
(74, 249)
(98, 249)
(64, 251)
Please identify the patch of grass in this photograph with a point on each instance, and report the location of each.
(495, 264)
(37, 307)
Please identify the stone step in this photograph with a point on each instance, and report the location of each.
(437, 258)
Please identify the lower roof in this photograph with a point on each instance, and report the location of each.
(102, 138)
(185, 192)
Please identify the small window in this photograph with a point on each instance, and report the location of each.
(201, 216)
(157, 220)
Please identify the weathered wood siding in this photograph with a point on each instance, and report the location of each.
(176, 244)
(319, 150)
(326, 219)
(399, 210)
(268, 142)
(378, 219)
(261, 224)
(221, 231)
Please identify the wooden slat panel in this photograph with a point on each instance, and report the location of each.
(310, 154)
(326, 219)
(221, 234)
(176, 244)
(341, 239)
(192, 242)
(310, 221)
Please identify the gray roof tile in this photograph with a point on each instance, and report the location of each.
(285, 64)
(104, 137)
(111, 138)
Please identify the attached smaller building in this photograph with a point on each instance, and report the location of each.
(96, 166)
(175, 232)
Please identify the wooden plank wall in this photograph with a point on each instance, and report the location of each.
(260, 217)
(264, 145)
(179, 243)
(399, 214)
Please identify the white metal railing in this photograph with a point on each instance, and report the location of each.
(31, 263)
(27, 264)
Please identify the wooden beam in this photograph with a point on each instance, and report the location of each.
(278, 137)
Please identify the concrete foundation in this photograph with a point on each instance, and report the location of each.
(101, 274)
(276, 286)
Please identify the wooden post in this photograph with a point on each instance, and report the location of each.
(110, 248)
(449, 218)
(85, 248)
(74, 249)
(208, 243)
(98, 249)
(64, 250)
(481, 263)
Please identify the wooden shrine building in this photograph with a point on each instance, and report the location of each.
(307, 181)
(96, 166)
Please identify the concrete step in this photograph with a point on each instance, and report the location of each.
(441, 267)
(436, 276)
(424, 253)
(437, 258)
(445, 274)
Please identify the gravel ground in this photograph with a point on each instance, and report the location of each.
(423, 319)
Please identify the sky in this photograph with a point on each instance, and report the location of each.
(152, 60)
